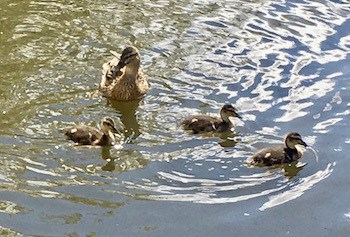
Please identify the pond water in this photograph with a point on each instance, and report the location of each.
(284, 64)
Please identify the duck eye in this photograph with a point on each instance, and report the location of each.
(108, 120)
(129, 56)
(106, 123)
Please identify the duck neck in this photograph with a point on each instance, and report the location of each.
(225, 119)
(290, 145)
(106, 139)
(131, 71)
(110, 136)
(107, 134)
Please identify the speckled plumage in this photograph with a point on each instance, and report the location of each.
(87, 135)
(123, 79)
(205, 123)
(82, 134)
(280, 154)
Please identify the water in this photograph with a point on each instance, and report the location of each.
(283, 64)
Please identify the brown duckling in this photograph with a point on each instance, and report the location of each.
(87, 135)
(206, 123)
(123, 79)
(280, 154)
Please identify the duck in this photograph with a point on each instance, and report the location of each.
(206, 123)
(287, 153)
(123, 79)
(87, 135)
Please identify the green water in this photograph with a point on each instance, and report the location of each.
(283, 64)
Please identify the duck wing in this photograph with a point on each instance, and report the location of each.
(201, 123)
(111, 70)
(271, 155)
(82, 134)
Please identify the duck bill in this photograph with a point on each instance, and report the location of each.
(114, 130)
(303, 143)
(121, 64)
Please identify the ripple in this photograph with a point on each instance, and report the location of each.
(298, 189)
(283, 64)
(197, 190)
(322, 126)
(11, 208)
(184, 187)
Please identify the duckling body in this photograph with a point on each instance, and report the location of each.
(205, 123)
(280, 154)
(87, 135)
(123, 79)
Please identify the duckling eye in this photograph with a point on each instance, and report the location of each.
(109, 121)
(297, 140)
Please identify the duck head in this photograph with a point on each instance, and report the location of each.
(292, 139)
(108, 125)
(228, 111)
(130, 55)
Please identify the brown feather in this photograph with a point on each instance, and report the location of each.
(82, 134)
(87, 135)
(117, 84)
(205, 123)
(287, 153)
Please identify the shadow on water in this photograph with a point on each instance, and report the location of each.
(228, 140)
(127, 110)
(122, 160)
(291, 170)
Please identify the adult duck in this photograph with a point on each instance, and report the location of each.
(123, 78)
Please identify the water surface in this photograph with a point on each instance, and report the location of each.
(283, 64)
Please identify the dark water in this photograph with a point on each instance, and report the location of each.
(284, 64)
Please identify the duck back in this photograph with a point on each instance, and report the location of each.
(275, 155)
(203, 123)
(82, 134)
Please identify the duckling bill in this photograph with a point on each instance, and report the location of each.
(286, 153)
(205, 123)
(87, 135)
(123, 79)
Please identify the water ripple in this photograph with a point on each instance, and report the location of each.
(299, 189)
(187, 188)
(283, 64)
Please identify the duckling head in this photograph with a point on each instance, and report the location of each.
(130, 55)
(292, 139)
(108, 125)
(228, 111)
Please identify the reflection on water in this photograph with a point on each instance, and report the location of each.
(120, 161)
(127, 110)
(291, 170)
(273, 181)
(298, 189)
(284, 64)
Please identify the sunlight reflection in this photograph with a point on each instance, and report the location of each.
(284, 63)
(321, 127)
(296, 191)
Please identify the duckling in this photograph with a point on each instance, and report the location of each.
(87, 135)
(280, 154)
(124, 79)
(205, 123)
